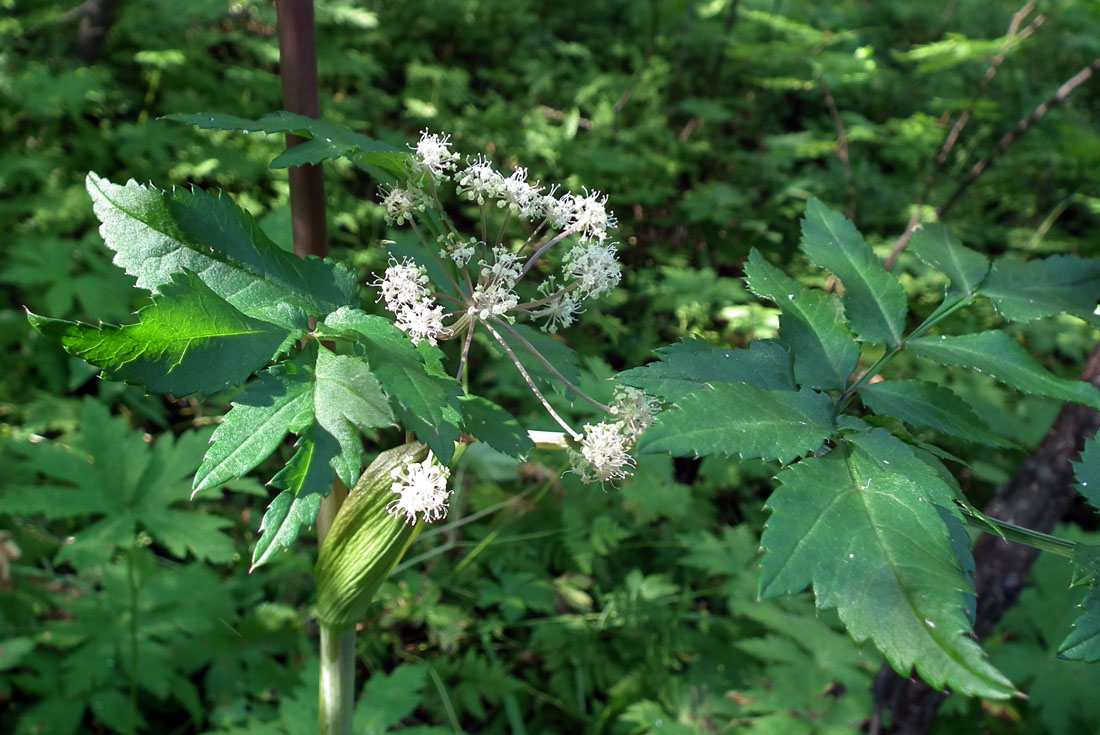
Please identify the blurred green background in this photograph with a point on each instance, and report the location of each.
(565, 609)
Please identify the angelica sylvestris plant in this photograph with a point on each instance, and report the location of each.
(865, 513)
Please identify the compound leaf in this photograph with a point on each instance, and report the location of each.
(965, 268)
(425, 400)
(811, 323)
(738, 418)
(874, 300)
(1002, 358)
(866, 526)
(489, 423)
(1026, 290)
(189, 340)
(930, 406)
(155, 233)
(693, 364)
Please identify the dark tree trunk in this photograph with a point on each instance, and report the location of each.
(1036, 497)
(96, 19)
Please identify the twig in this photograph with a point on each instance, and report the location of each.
(1022, 127)
(1014, 36)
(841, 143)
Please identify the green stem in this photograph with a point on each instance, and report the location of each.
(1025, 536)
(131, 577)
(337, 680)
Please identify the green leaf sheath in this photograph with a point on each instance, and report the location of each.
(1002, 358)
(936, 246)
(1083, 642)
(811, 323)
(1023, 291)
(327, 141)
(930, 406)
(332, 395)
(693, 364)
(426, 401)
(1087, 472)
(156, 233)
(189, 340)
(305, 480)
(874, 300)
(866, 526)
(489, 423)
(737, 418)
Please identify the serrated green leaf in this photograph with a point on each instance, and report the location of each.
(874, 300)
(1061, 284)
(425, 401)
(929, 405)
(489, 423)
(328, 141)
(189, 340)
(306, 479)
(336, 393)
(156, 233)
(692, 364)
(965, 268)
(996, 354)
(278, 402)
(738, 418)
(865, 526)
(1083, 643)
(1086, 470)
(811, 323)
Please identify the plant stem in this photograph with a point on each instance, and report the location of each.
(1025, 536)
(337, 690)
(131, 578)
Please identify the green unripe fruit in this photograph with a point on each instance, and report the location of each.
(365, 541)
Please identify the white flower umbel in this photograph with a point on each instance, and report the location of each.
(594, 265)
(590, 216)
(404, 288)
(421, 489)
(519, 196)
(604, 454)
(479, 181)
(458, 249)
(634, 411)
(560, 309)
(433, 155)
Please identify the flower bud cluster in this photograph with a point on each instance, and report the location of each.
(605, 449)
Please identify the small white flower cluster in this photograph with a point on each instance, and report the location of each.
(421, 489)
(404, 288)
(605, 448)
(589, 269)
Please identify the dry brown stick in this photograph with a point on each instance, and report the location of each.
(1036, 497)
(1022, 127)
(1014, 36)
(841, 144)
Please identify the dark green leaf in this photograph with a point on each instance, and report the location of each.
(936, 246)
(189, 340)
(425, 401)
(865, 525)
(327, 142)
(692, 364)
(488, 422)
(811, 323)
(305, 480)
(1002, 358)
(1087, 472)
(156, 233)
(1026, 290)
(874, 300)
(1083, 643)
(737, 418)
(930, 406)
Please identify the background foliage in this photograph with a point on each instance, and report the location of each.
(544, 606)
